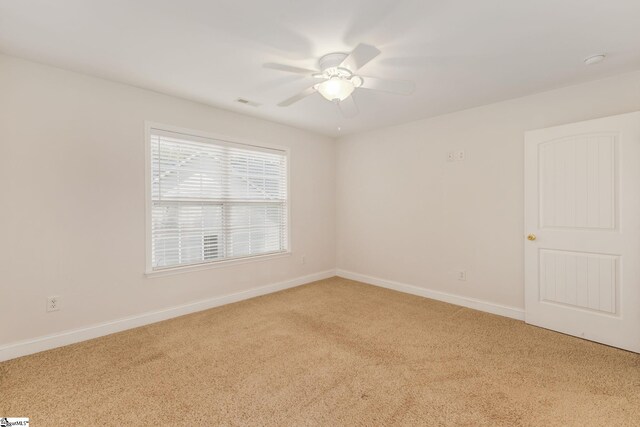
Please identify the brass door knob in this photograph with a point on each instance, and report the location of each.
(531, 237)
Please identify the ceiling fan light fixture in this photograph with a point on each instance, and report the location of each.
(335, 88)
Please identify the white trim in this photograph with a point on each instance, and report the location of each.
(147, 197)
(208, 135)
(476, 304)
(229, 262)
(59, 339)
(47, 342)
(148, 127)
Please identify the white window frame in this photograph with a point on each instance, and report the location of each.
(149, 271)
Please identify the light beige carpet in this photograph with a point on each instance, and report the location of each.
(334, 352)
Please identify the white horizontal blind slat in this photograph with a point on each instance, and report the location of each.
(215, 200)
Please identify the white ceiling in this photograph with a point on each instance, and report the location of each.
(460, 53)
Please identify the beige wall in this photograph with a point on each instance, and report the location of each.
(405, 214)
(72, 221)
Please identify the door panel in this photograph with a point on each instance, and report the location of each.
(579, 279)
(578, 182)
(582, 204)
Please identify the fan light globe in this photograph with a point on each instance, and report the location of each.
(336, 89)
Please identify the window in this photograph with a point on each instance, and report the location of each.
(214, 200)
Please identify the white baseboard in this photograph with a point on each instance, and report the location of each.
(47, 342)
(476, 304)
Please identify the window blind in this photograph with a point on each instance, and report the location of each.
(213, 200)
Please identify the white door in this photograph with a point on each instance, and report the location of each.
(582, 229)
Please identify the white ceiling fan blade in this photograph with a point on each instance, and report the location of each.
(362, 54)
(348, 107)
(298, 97)
(401, 87)
(288, 68)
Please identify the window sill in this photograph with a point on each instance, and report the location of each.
(216, 264)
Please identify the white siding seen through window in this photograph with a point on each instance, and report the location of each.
(213, 200)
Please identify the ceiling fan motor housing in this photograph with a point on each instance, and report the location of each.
(331, 66)
(331, 60)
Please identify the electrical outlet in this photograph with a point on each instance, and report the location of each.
(302, 259)
(462, 275)
(53, 303)
(455, 156)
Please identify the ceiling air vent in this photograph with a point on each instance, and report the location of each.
(247, 102)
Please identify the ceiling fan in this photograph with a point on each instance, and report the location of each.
(339, 79)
